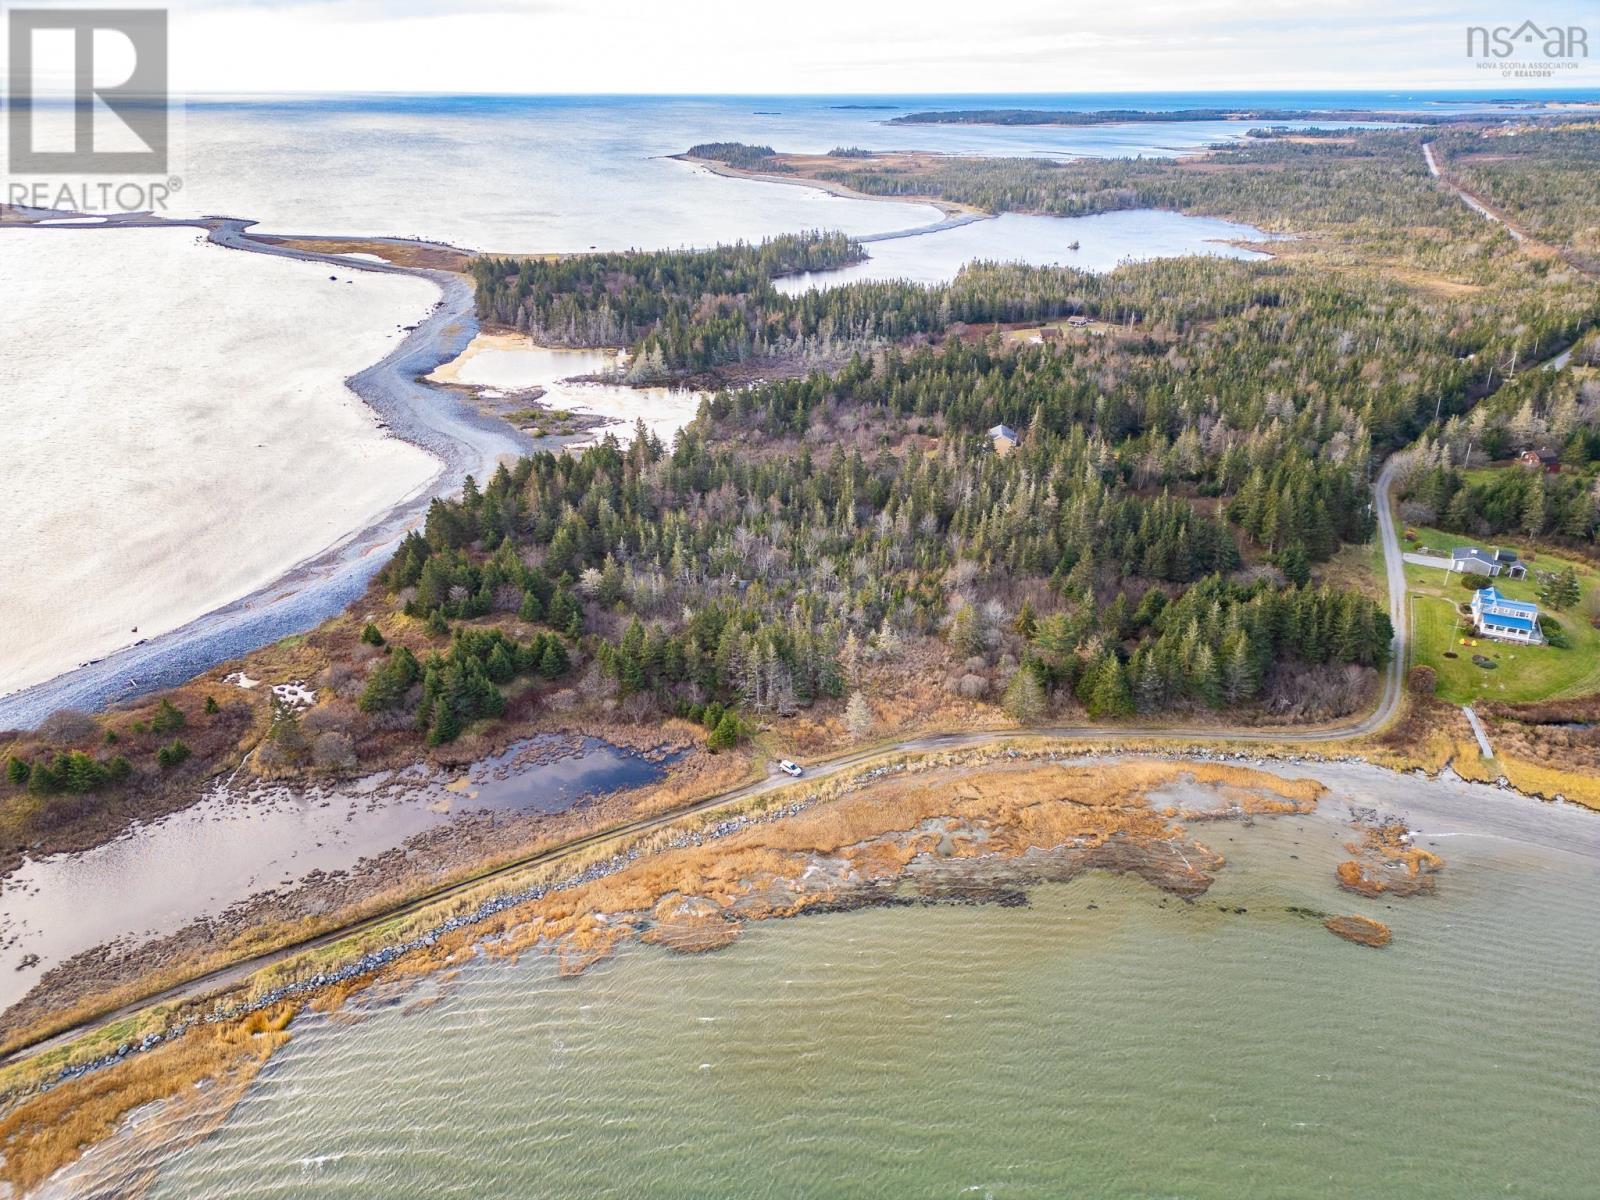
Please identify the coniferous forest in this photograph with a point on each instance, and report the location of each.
(1154, 540)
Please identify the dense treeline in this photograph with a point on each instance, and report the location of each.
(1108, 116)
(1215, 645)
(1553, 414)
(614, 299)
(1542, 179)
(693, 312)
(1516, 502)
(776, 545)
(1141, 421)
(739, 154)
(1377, 180)
(686, 312)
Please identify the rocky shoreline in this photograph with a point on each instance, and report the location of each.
(470, 836)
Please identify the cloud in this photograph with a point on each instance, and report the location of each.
(930, 46)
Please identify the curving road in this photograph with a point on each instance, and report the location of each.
(1467, 198)
(1388, 703)
(460, 439)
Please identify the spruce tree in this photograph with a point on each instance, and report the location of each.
(553, 664)
(1025, 701)
(1108, 694)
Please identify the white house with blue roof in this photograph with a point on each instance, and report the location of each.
(1509, 620)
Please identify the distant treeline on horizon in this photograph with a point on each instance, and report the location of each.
(1109, 116)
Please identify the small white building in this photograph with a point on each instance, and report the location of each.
(1004, 438)
(1506, 620)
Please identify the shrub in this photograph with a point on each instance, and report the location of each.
(66, 725)
(727, 734)
(333, 752)
(1422, 680)
(172, 754)
(168, 719)
(371, 635)
(1554, 634)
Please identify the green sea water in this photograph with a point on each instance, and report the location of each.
(1105, 1041)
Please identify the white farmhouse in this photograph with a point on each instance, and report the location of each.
(1507, 620)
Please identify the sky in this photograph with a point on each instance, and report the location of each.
(847, 46)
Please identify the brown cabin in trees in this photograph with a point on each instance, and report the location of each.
(1548, 459)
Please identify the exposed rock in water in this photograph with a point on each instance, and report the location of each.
(1364, 931)
(1387, 862)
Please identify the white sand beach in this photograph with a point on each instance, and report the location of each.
(511, 362)
(179, 430)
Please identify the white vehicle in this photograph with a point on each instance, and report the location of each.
(790, 768)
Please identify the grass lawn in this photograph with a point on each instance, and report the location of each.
(1358, 568)
(1521, 672)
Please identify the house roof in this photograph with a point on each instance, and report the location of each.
(1473, 553)
(1501, 621)
(1504, 606)
(1003, 431)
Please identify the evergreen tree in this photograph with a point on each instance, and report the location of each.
(1240, 678)
(390, 681)
(172, 755)
(858, 716)
(1025, 701)
(1108, 694)
(726, 734)
(168, 718)
(553, 663)
(446, 726)
(1295, 565)
(1562, 591)
(1025, 622)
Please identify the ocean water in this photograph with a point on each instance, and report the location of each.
(554, 173)
(1106, 1041)
(1097, 243)
(178, 430)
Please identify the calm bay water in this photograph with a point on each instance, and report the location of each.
(238, 841)
(570, 173)
(1140, 1047)
(1098, 243)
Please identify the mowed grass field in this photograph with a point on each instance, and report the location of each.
(1521, 672)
